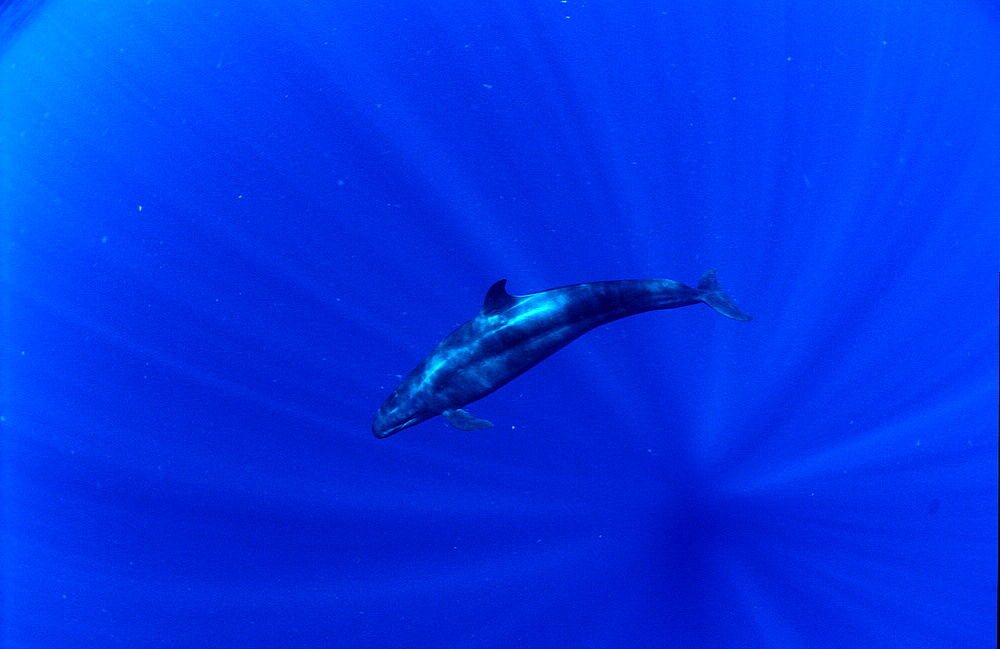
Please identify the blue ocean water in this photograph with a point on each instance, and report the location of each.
(229, 228)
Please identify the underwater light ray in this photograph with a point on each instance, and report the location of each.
(792, 597)
(758, 601)
(845, 528)
(884, 446)
(181, 364)
(846, 403)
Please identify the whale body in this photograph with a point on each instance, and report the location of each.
(513, 333)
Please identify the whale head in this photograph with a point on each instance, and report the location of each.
(396, 414)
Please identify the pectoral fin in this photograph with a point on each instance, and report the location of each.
(464, 421)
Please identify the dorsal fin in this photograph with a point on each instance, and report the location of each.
(498, 299)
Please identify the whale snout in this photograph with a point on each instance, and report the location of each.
(382, 430)
(391, 419)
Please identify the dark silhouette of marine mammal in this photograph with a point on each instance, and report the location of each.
(513, 333)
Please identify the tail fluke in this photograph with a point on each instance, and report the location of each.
(715, 298)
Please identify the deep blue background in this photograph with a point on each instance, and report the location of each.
(229, 227)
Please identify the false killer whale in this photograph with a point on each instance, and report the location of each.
(513, 333)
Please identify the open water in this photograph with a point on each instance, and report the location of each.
(229, 228)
